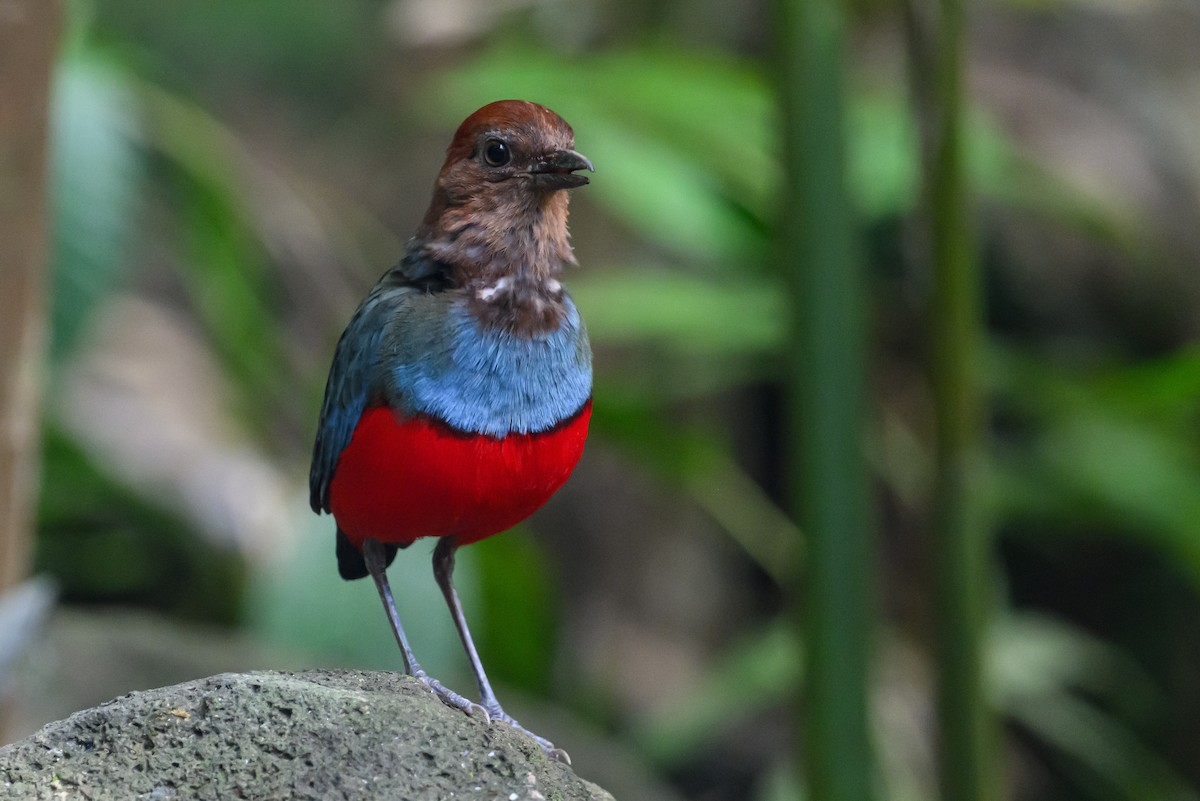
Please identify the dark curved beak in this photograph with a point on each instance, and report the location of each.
(557, 170)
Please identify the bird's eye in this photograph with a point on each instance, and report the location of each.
(496, 153)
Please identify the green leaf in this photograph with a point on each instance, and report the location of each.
(882, 159)
(97, 183)
(686, 313)
(1126, 478)
(1164, 389)
(229, 277)
(1044, 672)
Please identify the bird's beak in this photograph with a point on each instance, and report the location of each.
(557, 170)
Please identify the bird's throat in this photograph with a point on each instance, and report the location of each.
(525, 305)
(507, 254)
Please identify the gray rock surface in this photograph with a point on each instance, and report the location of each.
(274, 735)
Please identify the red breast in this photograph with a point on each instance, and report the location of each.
(404, 478)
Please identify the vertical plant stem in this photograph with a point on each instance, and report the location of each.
(28, 35)
(961, 539)
(827, 370)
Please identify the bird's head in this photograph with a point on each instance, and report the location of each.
(499, 201)
(517, 144)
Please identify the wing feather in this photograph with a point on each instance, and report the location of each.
(355, 377)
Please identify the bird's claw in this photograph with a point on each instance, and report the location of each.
(550, 749)
(487, 718)
(451, 698)
(492, 713)
(557, 754)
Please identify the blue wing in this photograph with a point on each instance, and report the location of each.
(355, 377)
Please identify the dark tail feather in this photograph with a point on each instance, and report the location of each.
(351, 564)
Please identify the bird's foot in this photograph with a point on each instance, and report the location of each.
(495, 713)
(491, 713)
(451, 698)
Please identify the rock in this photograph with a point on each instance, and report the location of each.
(274, 735)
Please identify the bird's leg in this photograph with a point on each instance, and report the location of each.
(443, 569)
(374, 557)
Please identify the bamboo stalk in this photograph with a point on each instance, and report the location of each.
(827, 370)
(961, 542)
(28, 36)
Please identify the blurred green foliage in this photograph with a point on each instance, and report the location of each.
(686, 311)
(97, 178)
(108, 545)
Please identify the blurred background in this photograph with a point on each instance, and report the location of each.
(228, 179)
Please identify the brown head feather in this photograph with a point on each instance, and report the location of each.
(535, 122)
(500, 227)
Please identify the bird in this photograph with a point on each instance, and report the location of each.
(460, 393)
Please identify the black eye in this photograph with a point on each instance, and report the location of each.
(496, 153)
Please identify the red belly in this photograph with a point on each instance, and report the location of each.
(400, 479)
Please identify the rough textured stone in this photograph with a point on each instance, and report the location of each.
(315, 734)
